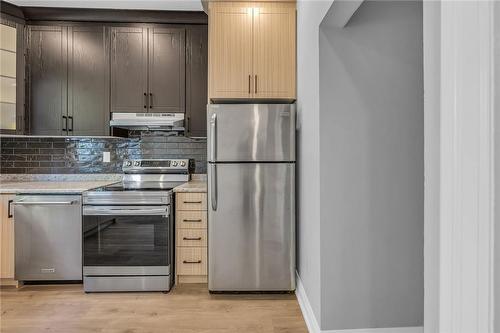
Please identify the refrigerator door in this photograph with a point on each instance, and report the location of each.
(251, 227)
(251, 132)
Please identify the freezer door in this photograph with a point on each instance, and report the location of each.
(251, 227)
(251, 132)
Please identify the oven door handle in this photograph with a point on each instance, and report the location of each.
(126, 211)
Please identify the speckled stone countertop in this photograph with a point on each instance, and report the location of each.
(56, 187)
(198, 183)
(56, 183)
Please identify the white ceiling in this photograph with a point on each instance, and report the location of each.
(115, 4)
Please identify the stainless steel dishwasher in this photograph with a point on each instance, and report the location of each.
(48, 237)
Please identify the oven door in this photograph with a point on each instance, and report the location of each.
(127, 240)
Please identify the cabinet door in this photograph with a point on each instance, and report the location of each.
(129, 69)
(167, 70)
(88, 80)
(6, 237)
(230, 50)
(274, 51)
(196, 80)
(47, 47)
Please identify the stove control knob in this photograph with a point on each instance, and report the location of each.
(183, 164)
(137, 163)
(174, 163)
(128, 163)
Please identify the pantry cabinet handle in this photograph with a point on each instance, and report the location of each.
(150, 100)
(193, 238)
(145, 100)
(65, 128)
(194, 220)
(191, 262)
(249, 83)
(255, 83)
(192, 202)
(9, 209)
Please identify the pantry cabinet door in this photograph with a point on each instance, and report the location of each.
(274, 50)
(6, 237)
(230, 50)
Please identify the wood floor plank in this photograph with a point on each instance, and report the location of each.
(188, 308)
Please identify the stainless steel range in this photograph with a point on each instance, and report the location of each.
(128, 236)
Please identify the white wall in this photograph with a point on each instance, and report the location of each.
(309, 16)
(497, 168)
(372, 168)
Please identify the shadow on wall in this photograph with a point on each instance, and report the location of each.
(372, 168)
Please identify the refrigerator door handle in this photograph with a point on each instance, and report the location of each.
(213, 188)
(213, 137)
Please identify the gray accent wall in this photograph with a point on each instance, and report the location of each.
(309, 16)
(371, 135)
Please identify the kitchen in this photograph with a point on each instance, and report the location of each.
(249, 166)
(115, 171)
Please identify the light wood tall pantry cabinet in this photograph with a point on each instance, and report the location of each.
(252, 50)
(6, 238)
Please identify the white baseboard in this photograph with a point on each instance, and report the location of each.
(305, 306)
(313, 325)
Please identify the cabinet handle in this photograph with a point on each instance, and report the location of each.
(9, 209)
(65, 128)
(192, 202)
(191, 262)
(145, 100)
(249, 83)
(255, 83)
(191, 238)
(188, 124)
(71, 128)
(150, 100)
(191, 220)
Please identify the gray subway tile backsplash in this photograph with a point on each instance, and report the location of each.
(84, 155)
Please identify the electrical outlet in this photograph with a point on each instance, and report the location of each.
(106, 156)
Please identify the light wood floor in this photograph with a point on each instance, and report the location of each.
(187, 309)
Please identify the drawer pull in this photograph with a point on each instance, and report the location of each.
(191, 238)
(192, 202)
(191, 220)
(191, 262)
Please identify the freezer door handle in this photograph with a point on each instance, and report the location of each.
(213, 137)
(213, 188)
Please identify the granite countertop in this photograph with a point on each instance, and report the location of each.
(56, 187)
(197, 184)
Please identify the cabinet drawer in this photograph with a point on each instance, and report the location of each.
(195, 219)
(191, 201)
(191, 260)
(191, 237)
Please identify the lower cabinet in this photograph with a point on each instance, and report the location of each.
(6, 240)
(191, 238)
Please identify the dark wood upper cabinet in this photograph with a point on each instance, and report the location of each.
(148, 69)
(47, 72)
(166, 70)
(129, 68)
(68, 78)
(196, 80)
(88, 80)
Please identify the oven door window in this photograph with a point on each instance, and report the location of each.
(126, 240)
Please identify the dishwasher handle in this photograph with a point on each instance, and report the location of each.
(45, 203)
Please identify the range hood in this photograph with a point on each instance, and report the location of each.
(148, 121)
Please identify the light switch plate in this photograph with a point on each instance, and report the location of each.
(106, 157)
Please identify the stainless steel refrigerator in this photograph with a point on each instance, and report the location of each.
(251, 197)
